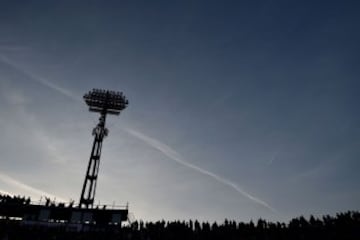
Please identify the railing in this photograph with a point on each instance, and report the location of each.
(45, 201)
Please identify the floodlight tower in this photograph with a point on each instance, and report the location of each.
(103, 102)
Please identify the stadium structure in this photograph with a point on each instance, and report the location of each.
(83, 215)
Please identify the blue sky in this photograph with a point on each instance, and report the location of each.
(238, 109)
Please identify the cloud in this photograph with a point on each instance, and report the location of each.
(12, 48)
(21, 185)
(273, 157)
(173, 155)
(14, 96)
(63, 91)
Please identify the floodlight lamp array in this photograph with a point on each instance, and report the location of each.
(106, 101)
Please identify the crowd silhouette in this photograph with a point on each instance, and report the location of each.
(7, 199)
(342, 226)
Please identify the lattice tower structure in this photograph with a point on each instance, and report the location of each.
(104, 102)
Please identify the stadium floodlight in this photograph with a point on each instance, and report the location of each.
(101, 101)
(104, 102)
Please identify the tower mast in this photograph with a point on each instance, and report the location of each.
(104, 102)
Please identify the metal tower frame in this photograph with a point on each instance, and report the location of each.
(105, 102)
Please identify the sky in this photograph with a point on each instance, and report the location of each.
(237, 109)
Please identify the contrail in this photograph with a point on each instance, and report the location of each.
(165, 149)
(26, 187)
(173, 155)
(63, 91)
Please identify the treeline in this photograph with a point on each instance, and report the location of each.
(344, 226)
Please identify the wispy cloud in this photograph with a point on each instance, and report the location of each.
(13, 96)
(173, 155)
(63, 91)
(15, 183)
(273, 157)
(44, 140)
(12, 47)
